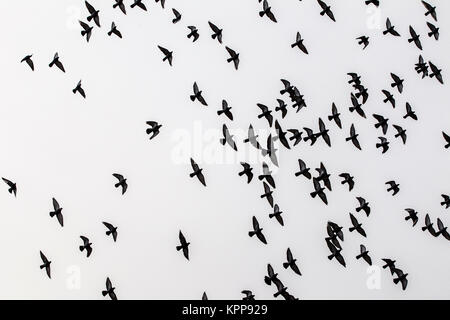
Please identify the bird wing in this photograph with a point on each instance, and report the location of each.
(90, 8)
(213, 27)
(55, 204)
(85, 240)
(164, 50)
(43, 257)
(118, 176)
(255, 223)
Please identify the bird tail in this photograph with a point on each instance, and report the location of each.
(192, 175)
(192, 98)
(396, 280)
(74, 90)
(385, 32)
(214, 36)
(358, 256)
(267, 280)
(108, 233)
(104, 293)
(109, 33)
(81, 248)
(251, 233)
(89, 18)
(285, 265)
(117, 185)
(241, 174)
(330, 256)
(378, 145)
(179, 248)
(410, 40)
(220, 112)
(351, 229)
(424, 228)
(51, 64)
(223, 141)
(133, 5)
(261, 13)
(52, 214)
(271, 215)
(297, 174)
(229, 59)
(115, 5)
(293, 45)
(313, 194)
(42, 266)
(83, 32)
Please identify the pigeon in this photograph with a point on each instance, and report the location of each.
(277, 215)
(389, 98)
(364, 254)
(197, 172)
(154, 129)
(429, 226)
(447, 140)
(234, 57)
(324, 176)
(198, 95)
(414, 38)
(247, 171)
(442, 230)
(412, 215)
(226, 110)
(310, 135)
(267, 11)
(119, 3)
(288, 88)
(355, 78)
(267, 194)
(79, 89)
(46, 264)
(114, 30)
(390, 29)
(281, 135)
(430, 10)
(389, 264)
(335, 116)
(291, 262)
(267, 175)
(266, 113)
(446, 202)
(363, 205)
(249, 296)
(304, 171)
(57, 212)
(382, 122)
(217, 32)
(281, 289)
(409, 112)
(29, 61)
(121, 183)
(434, 31)
(139, 4)
(177, 16)
(354, 137)
(257, 231)
(227, 138)
(398, 83)
(86, 246)
(252, 138)
(363, 40)
(12, 187)
(299, 43)
(323, 132)
(348, 179)
(401, 277)
(93, 14)
(326, 9)
(400, 133)
(184, 245)
(356, 226)
(296, 136)
(333, 237)
(336, 229)
(421, 67)
(282, 107)
(112, 230)
(271, 277)
(193, 33)
(318, 191)
(57, 62)
(436, 72)
(356, 106)
(335, 253)
(362, 92)
(163, 2)
(384, 144)
(271, 150)
(109, 290)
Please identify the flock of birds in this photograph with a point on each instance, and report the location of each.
(321, 183)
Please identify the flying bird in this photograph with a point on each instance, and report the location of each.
(356, 106)
(248, 295)
(252, 138)
(247, 170)
(398, 83)
(257, 231)
(119, 3)
(382, 122)
(198, 95)
(267, 175)
(109, 290)
(400, 133)
(429, 226)
(436, 72)
(323, 132)
(226, 110)
(271, 277)
(389, 264)
(266, 113)
(154, 129)
(412, 215)
(217, 33)
(87, 30)
(446, 201)
(112, 230)
(234, 57)
(57, 211)
(434, 31)
(410, 112)
(353, 137)
(86, 246)
(267, 11)
(197, 172)
(163, 2)
(401, 277)
(122, 182)
(389, 98)
(326, 9)
(304, 171)
(139, 4)
(390, 29)
(431, 10)
(277, 215)
(184, 245)
(291, 262)
(93, 14)
(447, 140)
(267, 194)
(228, 138)
(364, 41)
(12, 187)
(114, 30)
(29, 61)
(282, 107)
(168, 55)
(319, 191)
(415, 38)
(335, 115)
(356, 226)
(177, 16)
(384, 144)
(57, 62)
(364, 254)
(363, 206)
(347, 179)
(299, 43)
(296, 136)
(79, 89)
(193, 33)
(46, 264)
(335, 253)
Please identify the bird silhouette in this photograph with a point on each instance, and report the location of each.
(282, 107)
(29, 61)
(335, 253)
(421, 67)
(336, 229)
(109, 290)
(364, 254)
(434, 31)
(353, 137)
(252, 138)
(139, 4)
(410, 113)
(389, 98)
(57, 211)
(382, 122)
(401, 277)
(304, 171)
(447, 140)
(86, 246)
(429, 226)
(442, 230)
(277, 214)
(267, 175)
(184, 245)
(112, 230)
(93, 14)
(267, 194)
(79, 89)
(114, 30)
(177, 16)
(446, 201)
(87, 30)
(234, 57)
(226, 110)
(217, 32)
(12, 187)
(267, 11)
(415, 38)
(120, 4)
(335, 116)
(356, 226)
(356, 106)
(363, 206)
(57, 62)
(271, 277)
(228, 138)
(163, 2)
(46, 264)
(248, 295)
(412, 215)
(266, 113)
(435, 72)
(197, 172)
(384, 144)
(364, 41)
(296, 136)
(348, 179)
(193, 33)
(247, 170)
(326, 9)
(390, 29)
(198, 95)
(122, 182)
(299, 43)
(319, 191)
(400, 133)
(291, 262)
(398, 83)
(257, 231)
(154, 129)
(431, 10)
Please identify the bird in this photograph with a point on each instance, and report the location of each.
(257, 231)
(122, 182)
(389, 98)
(46, 264)
(398, 83)
(217, 32)
(228, 138)
(291, 262)
(197, 172)
(435, 72)
(267, 175)
(356, 106)
(389, 264)
(304, 171)
(193, 33)
(139, 4)
(400, 133)
(414, 38)
(335, 116)
(249, 296)
(86, 246)
(12, 187)
(336, 229)
(363, 40)
(296, 136)
(271, 277)
(198, 95)
(384, 144)
(324, 176)
(114, 30)
(401, 277)
(356, 226)
(79, 89)
(226, 110)
(247, 170)
(267, 194)
(333, 237)
(353, 137)
(163, 2)
(120, 4)
(57, 212)
(348, 179)
(154, 129)
(442, 230)
(277, 215)
(412, 215)
(430, 10)
(87, 30)
(447, 140)
(363, 205)
(323, 132)
(446, 202)
(355, 78)
(364, 254)
(390, 29)
(266, 113)
(282, 107)
(93, 14)
(299, 43)
(252, 138)
(112, 230)
(429, 226)
(281, 135)
(168, 55)
(267, 11)
(421, 67)
(310, 136)
(184, 245)
(177, 16)
(271, 151)
(362, 92)
(382, 122)
(234, 57)
(434, 31)
(281, 289)
(335, 253)
(326, 9)
(319, 191)
(57, 62)
(29, 61)
(288, 88)
(109, 290)
(410, 112)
